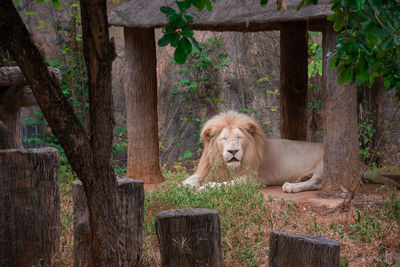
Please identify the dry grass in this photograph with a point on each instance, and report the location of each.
(368, 236)
(66, 240)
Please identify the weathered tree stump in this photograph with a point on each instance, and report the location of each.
(189, 237)
(287, 249)
(131, 205)
(29, 207)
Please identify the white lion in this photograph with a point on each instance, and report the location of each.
(238, 141)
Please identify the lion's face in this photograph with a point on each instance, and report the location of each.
(230, 145)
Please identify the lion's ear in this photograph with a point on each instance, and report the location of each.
(251, 128)
(206, 134)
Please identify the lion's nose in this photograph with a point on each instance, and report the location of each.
(233, 152)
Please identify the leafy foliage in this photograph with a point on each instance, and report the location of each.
(369, 41)
(178, 33)
(368, 45)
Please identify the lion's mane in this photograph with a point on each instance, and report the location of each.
(252, 145)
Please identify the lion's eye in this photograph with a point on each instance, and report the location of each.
(224, 138)
(238, 138)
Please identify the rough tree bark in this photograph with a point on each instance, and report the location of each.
(339, 123)
(140, 83)
(189, 237)
(29, 207)
(294, 80)
(88, 153)
(298, 250)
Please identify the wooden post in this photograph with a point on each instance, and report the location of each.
(294, 80)
(286, 250)
(14, 94)
(189, 237)
(131, 205)
(29, 207)
(140, 83)
(339, 124)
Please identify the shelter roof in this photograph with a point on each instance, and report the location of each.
(227, 15)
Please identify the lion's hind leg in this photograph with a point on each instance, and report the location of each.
(314, 183)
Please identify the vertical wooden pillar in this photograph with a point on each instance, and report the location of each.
(131, 207)
(140, 83)
(294, 80)
(29, 207)
(339, 124)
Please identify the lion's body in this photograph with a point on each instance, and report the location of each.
(239, 142)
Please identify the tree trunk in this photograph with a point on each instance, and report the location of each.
(29, 207)
(340, 128)
(189, 237)
(88, 153)
(286, 250)
(294, 80)
(140, 83)
(131, 207)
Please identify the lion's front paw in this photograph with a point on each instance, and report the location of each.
(208, 186)
(288, 187)
(192, 181)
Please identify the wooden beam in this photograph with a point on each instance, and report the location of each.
(294, 80)
(140, 83)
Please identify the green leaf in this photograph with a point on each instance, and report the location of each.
(175, 40)
(167, 10)
(300, 5)
(180, 54)
(263, 2)
(165, 40)
(195, 44)
(360, 4)
(56, 4)
(187, 32)
(170, 28)
(173, 17)
(386, 44)
(186, 44)
(183, 5)
(30, 13)
(188, 18)
(208, 5)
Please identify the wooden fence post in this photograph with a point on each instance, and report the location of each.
(189, 237)
(29, 207)
(287, 249)
(131, 205)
